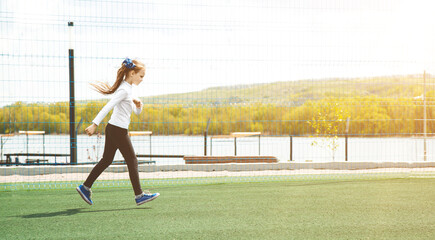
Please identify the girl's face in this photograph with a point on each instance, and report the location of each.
(137, 78)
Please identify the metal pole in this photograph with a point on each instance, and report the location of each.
(27, 145)
(205, 143)
(43, 145)
(235, 146)
(346, 147)
(259, 145)
(291, 148)
(205, 137)
(72, 118)
(424, 115)
(347, 132)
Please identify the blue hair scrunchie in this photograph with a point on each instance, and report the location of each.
(128, 63)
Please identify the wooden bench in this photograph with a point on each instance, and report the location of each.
(9, 157)
(36, 161)
(229, 159)
(122, 162)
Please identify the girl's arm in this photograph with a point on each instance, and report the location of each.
(137, 106)
(91, 129)
(117, 97)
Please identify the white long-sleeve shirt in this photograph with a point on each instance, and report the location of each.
(122, 105)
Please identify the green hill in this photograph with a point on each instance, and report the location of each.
(298, 92)
(381, 105)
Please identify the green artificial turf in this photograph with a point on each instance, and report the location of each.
(360, 209)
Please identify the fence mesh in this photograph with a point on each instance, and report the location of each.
(234, 91)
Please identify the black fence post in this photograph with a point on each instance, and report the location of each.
(235, 146)
(346, 139)
(346, 147)
(72, 117)
(205, 137)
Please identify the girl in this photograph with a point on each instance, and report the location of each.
(131, 72)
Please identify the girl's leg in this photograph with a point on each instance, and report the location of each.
(127, 151)
(108, 155)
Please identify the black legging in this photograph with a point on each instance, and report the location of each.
(117, 138)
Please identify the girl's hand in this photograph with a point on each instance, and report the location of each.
(91, 129)
(137, 102)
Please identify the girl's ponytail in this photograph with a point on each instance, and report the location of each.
(127, 66)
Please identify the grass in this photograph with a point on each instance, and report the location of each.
(352, 209)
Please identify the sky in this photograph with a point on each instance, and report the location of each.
(193, 45)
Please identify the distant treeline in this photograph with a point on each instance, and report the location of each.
(368, 115)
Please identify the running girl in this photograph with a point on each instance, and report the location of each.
(122, 103)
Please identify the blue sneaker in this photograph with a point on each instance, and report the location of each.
(85, 194)
(146, 198)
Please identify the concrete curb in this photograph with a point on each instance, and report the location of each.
(233, 167)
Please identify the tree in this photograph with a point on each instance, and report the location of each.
(328, 121)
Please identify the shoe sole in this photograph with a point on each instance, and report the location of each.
(83, 196)
(149, 200)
